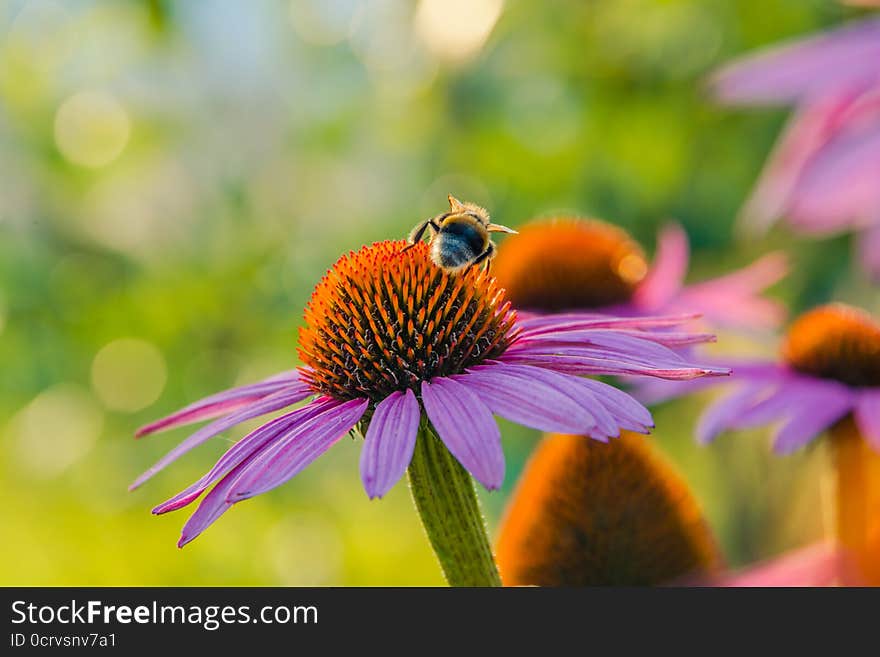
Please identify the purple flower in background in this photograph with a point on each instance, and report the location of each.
(828, 379)
(390, 339)
(567, 263)
(824, 174)
(829, 370)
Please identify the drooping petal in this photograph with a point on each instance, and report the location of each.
(212, 506)
(268, 404)
(522, 394)
(788, 397)
(734, 299)
(667, 273)
(245, 448)
(823, 564)
(720, 415)
(225, 402)
(867, 414)
(467, 428)
(627, 411)
(289, 456)
(820, 65)
(389, 443)
(869, 250)
(839, 188)
(808, 130)
(816, 414)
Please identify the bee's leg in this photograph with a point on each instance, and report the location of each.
(485, 258)
(419, 231)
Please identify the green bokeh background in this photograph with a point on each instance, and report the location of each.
(179, 175)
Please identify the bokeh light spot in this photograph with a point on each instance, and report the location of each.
(128, 374)
(56, 430)
(456, 30)
(322, 22)
(91, 129)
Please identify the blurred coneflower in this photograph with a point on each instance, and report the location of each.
(588, 514)
(418, 360)
(567, 263)
(823, 174)
(828, 378)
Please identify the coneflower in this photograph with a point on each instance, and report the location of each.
(828, 378)
(822, 176)
(568, 263)
(418, 361)
(587, 514)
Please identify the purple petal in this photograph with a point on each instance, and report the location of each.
(869, 250)
(224, 402)
(667, 272)
(734, 299)
(562, 322)
(281, 399)
(808, 130)
(287, 457)
(211, 507)
(839, 188)
(720, 415)
(467, 428)
(245, 448)
(628, 412)
(816, 414)
(533, 397)
(389, 443)
(792, 393)
(821, 65)
(867, 414)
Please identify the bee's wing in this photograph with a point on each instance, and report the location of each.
(498, 228)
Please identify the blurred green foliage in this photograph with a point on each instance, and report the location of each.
(178, 175)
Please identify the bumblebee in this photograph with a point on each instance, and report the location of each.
(460, 237)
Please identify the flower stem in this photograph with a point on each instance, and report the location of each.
(857, 467)
(446, 500)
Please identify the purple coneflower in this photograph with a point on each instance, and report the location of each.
(396, 348)
(588, 514)
(567, 263)
(823, 174)
(827, 379)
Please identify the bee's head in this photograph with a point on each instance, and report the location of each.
(456, 207)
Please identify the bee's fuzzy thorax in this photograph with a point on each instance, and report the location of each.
(587, 513)
(566, 263)
(838, 342)
(385, 319)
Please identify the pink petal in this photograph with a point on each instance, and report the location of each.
(242, 450)
(533, 397)
(805, 68)
(224, 402)
(668, 270)
(869, 250)
(720, 415)
(467, 428)
(817, 565)
(815, 414)
(807, 132)
(839, 189)
(289, 456)
(867, 414)
(281, 399)
(389, 443)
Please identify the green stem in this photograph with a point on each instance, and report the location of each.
(445, 497)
